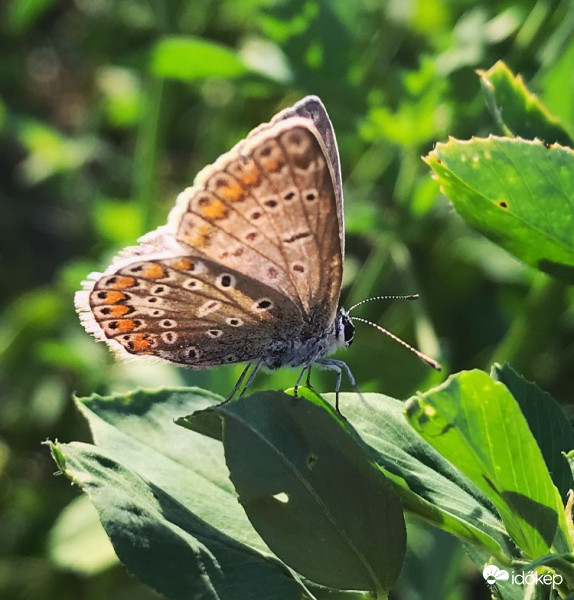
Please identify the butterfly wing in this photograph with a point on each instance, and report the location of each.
(312, 108)
(272, 208)
(267, 217)
(183, 309)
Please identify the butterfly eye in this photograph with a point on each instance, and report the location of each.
(344, 329)
(348, 331)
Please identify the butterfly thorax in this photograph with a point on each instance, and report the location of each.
(310, 345)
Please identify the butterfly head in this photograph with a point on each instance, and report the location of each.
(344, 329)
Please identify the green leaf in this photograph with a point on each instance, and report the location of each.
(518, 193)
(302, 480)
(428, 485)
(163, 542)
(156, 484)
(517, 111)
(475, 423)
(190, 59)
(544, 415)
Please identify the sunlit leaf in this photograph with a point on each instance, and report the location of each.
(517, 111)
(189, 59)
(475, 423)
(518, 193)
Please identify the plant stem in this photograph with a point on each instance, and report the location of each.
(529, 331)
(145, 163)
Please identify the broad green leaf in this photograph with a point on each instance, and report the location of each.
(518, 193)
(302, 481)
(517, 111)
(547, 422)
(140, 425)
(163, 542)
(136, 435)
(475, 423)
(428, 485)
(190, 59)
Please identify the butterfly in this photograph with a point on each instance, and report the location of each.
(248, 268)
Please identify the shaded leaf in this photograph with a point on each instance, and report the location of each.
(302, 480)
(156, 483)
(165, 544)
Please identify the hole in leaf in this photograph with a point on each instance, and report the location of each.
(311, 460)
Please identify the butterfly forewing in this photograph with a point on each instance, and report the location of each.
(267, 208)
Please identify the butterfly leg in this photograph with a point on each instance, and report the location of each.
(299, 379)
(308, 381)
(238, 384)
(251, 377)
(339, 366)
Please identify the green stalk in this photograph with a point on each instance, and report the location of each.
(147, 148)
(529, 333)
(145, 174)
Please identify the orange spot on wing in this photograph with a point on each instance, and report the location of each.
(200, 235)
(273, 165)
(122, 283)
(233, 192)
(183, 264)
(140, 342)
(153, 271)
(126, 325)
(216, 209)
(111, 297)
(118, 311)
(251, 176)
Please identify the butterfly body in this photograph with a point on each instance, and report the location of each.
(308, 345)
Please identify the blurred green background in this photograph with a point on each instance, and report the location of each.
(109, 108)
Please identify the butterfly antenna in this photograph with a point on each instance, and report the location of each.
(409, 297)
(429, 361)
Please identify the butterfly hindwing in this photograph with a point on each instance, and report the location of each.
(186, 310)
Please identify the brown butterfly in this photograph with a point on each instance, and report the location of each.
(249, 265)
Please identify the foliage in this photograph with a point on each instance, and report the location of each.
(298, 467)
(108, 109)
